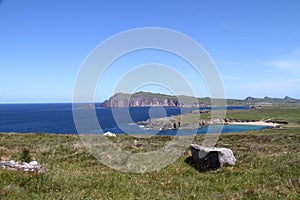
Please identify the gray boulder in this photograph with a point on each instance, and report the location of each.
(211, 158)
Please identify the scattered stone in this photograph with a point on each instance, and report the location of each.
(226, 120)
(109, 134)
(203, 122)
(259, 107)
(276, 121)
(33, 166)
(194, 112)
(216, 121)
(211, 158)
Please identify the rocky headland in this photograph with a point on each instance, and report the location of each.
(169, 123)
(147, 99)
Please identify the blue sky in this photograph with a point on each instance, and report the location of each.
(254, 44)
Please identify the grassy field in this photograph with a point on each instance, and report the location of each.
(268, 167)
(290, 114)
(285, 113)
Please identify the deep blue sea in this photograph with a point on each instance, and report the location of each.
(58, 118)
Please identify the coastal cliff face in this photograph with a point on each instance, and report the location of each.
(145, 99)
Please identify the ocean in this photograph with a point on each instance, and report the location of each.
(58, 118)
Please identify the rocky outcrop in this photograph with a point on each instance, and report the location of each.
(207, 122)
(166, 123)
(32, 166)
(211, 158)
(276, 121)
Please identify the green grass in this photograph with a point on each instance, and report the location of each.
(290, 114)
(268, 167)
(286, 113)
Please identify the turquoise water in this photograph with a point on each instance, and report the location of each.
(214, 129)
(230, 128)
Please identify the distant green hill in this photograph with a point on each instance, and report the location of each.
(269, 100)
(145, 99)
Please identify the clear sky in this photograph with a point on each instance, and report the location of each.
(254, 44)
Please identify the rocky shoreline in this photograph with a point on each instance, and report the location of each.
(172, 123)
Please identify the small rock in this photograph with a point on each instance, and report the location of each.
(34, 163)
(216, 121)
(202, 122)
(109, 134)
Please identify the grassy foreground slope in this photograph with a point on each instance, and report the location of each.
(268, 167)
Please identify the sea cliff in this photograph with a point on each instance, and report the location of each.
(146, 99)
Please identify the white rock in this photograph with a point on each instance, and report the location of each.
(33, 166)
(26, 165)
(110, 134)
(12, 162)
(34, 163)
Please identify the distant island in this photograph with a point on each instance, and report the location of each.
(147, 99)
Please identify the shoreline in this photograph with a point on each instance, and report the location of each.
(257, 123)
(185, 122)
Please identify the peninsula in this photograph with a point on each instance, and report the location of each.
(147, 99)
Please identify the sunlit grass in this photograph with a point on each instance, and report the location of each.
(268, 167)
